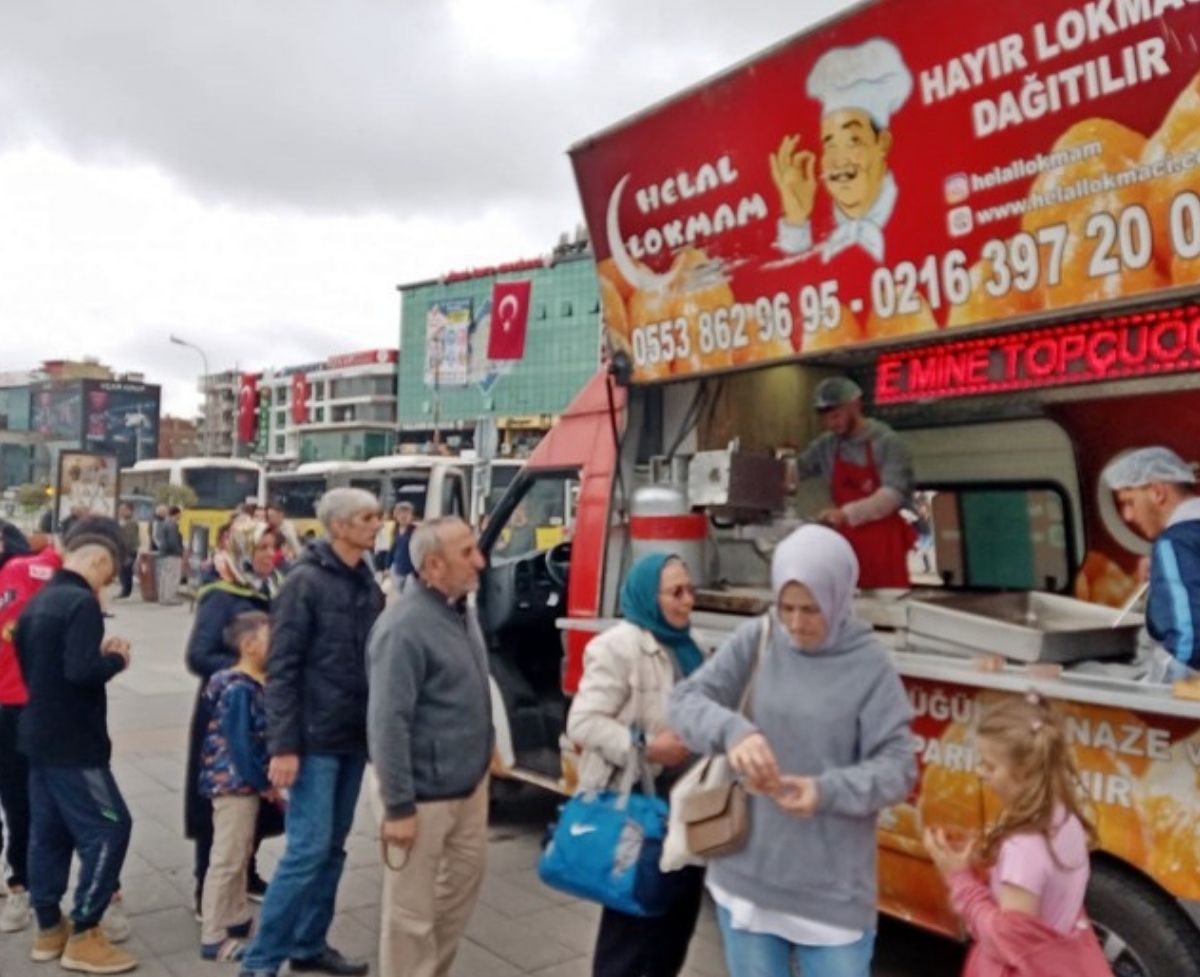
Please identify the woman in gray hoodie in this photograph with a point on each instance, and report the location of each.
(824, 746)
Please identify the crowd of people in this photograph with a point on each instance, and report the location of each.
(305, 671)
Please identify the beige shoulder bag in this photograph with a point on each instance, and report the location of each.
(708, 804)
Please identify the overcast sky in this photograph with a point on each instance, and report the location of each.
(258, 175)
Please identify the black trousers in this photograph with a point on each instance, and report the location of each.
(639, 946)
(14, 797)
(126, 579)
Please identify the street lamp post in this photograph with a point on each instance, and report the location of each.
(207, 392)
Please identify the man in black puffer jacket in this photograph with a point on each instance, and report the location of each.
(316, 696)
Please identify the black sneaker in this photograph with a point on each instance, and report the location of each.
(256, 888)
(330, 961)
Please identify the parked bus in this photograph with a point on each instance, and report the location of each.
(220, 484)
(434, 485)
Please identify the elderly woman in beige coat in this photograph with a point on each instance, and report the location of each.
(629, 671)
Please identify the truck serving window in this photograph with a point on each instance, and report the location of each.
(992, 536)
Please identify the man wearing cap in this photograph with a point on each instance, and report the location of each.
(76, 807)
(869, 472)
(859, 89)
(1156, 495)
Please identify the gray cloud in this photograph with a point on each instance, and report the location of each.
(357, 106)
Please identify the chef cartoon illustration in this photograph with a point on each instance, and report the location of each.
(860, 88)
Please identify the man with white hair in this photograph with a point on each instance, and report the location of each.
(1156, 495)
(430, 731)
(316, 696)
(859, 89)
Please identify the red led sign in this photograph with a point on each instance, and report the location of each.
(1117, 348)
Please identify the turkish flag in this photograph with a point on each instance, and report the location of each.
(299, 398)
(247, 415)
(510, 313)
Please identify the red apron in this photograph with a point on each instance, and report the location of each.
(881, 545)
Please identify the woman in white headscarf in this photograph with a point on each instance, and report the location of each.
(824, 746)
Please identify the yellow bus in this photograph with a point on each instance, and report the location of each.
(221, 486)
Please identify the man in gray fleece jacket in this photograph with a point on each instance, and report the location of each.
(429, 728)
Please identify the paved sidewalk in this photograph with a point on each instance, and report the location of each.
(519, 926)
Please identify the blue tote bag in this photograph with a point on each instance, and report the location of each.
(606, 845)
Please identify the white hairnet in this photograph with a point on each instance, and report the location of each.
(1144, 466)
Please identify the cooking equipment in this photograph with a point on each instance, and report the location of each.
(1027, 627)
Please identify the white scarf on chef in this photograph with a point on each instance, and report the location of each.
(865, 231)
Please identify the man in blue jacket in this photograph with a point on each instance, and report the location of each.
(316, 701)
(1156, 494)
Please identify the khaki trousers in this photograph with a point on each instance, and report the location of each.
(223, 903)
(427, 903)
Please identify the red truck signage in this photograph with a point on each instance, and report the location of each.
(884, 177)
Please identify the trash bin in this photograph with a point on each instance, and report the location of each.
(147, 577)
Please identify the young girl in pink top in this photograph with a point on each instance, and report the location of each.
(1027, 918)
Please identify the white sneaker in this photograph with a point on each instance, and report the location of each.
(16, 913)
(115, 923)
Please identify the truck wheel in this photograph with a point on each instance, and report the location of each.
(1143, 931)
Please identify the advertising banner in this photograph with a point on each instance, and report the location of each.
(87, 484)
(447, 343)
(58, 411)
(122, 418)
(1140, 774)
(883, 178)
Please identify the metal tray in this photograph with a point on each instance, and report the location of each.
(1026, 627)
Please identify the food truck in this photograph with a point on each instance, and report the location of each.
(989, 218)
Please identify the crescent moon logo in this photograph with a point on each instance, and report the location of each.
(637, 275)
(507, 310)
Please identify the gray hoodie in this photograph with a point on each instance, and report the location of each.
(839, 714)
(429, 713)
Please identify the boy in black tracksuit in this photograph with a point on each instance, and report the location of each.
(74, 800)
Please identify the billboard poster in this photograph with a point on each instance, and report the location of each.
(880, 179)
(447, 342)
(122, 418)
(58, 412)
(87, 484)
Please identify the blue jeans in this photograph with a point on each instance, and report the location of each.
(75, 809)
(298, 908)
(762, 955)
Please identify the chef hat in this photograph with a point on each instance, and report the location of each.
(1146, 466)
(871, 77)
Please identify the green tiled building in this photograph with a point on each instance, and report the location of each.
(453, 391)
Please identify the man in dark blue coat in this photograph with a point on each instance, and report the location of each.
(316, 696)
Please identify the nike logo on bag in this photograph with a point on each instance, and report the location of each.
(582, 829)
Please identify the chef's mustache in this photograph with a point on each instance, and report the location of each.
(842, 174)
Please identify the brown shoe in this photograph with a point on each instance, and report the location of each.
(49, 944)
(91, 953)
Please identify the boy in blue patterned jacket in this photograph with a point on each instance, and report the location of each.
(233, 773)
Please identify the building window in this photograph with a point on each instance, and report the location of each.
(539, 310)
(319, 390)
(565, 308)
(319, 415)
(280, 444)
(281, 418)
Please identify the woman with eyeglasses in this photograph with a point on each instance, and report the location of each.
(827, 748)
(628, 673)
